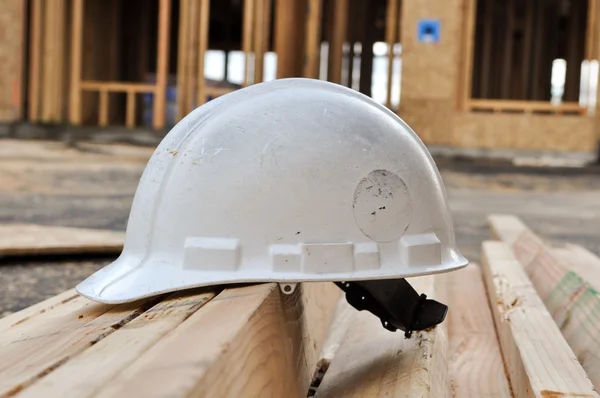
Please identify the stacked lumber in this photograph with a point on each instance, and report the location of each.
(523, 324)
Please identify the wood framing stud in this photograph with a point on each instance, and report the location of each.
(162, 64)
(313, 38)
(539, 361)
(75, 72)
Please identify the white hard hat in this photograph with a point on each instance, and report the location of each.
(287, 181)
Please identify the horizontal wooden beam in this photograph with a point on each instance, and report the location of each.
(539, 361)
(250, 341)
(531, 106)
(374, 362)
(93, 85)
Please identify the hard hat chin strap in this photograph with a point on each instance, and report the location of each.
(396, 303)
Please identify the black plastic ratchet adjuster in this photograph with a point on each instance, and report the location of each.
(395, 303)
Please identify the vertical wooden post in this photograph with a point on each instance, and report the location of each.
(313, 38)
(75, 72)
(202, 47)
(48, 61)
(287, 32)
(340, 26)
(248, 37)
(34, 59)
(130, 111)
(193, 53)
(390, 38)
(103, 109)
(468, 42)
(182, 54)
(259, 33)
(58, 92)
(162, 64)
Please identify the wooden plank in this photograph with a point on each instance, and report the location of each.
(103, 109)
(339, 32)
(37, 347)
(35, 44)
(203, 25)
(250, 341)
(248, 38)
(313, 38)
(390, 38)
(28, 313)
(182, 59)
(97, 366)
(374, 362)
(539, 361)
(94, 85)
(162, 64)
(130, 116)
(75, 71)
(582, 261)
(31, 239)
(506, 227)
(468, 44)
(571, 298)
(475, 367)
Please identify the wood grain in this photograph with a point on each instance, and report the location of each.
(31, 239)
(313, 38)
(103, 361)
(250, 341)
(475, 363)
(42, 344)
(568, 281)
(539, 361)
(374, 362)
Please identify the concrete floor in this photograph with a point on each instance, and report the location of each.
(92, 185)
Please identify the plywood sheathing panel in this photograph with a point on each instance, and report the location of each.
(521, 131)
(432, 119)
(430, 70)
(12, 20)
